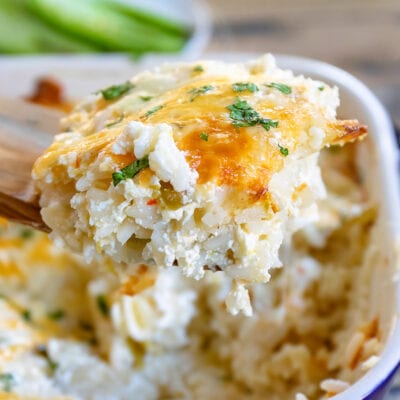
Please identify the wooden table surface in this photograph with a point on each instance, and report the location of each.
(360, 36)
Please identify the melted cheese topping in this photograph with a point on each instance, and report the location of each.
(231, 174)
(244, 158)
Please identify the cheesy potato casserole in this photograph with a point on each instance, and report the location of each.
(202, 167)
(71, 330)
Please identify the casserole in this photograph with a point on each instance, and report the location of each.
(379, 163)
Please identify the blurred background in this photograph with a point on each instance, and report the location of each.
(361, 36)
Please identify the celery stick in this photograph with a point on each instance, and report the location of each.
(22, 33)
(92, 20)
(148, 17)
(13, 39)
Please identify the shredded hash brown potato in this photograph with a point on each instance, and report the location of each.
(204, 169)
(71, 330)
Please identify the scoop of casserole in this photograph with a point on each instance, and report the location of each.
(202, 166)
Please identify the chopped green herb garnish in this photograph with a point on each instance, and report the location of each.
(285, 89)
(8, 381)
(204, 136)
(198, 91)
(198, 68)
(153, 110)
(102, 304)
(113, 92)
(56, 315)
(243, 115)
(242, 86)
(130, 171)
(284, 150)
(321, 88)
(52, 365)
(27, 233)
(41, 350)
(267, 123)
(146, 98)
(26, 315)
(111, 124)
(115, 122)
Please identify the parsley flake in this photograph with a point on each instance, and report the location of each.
(56, 315)
(321, 88)
(284, 150)
(117, 121)
(116, 91)
(267, 123)
(198, 91)
(243, 86)
(146, 98)
(102, 304)
(52, 365)
(198, 68)
(26, 315)
(244, 115)
(41, 350)
(204, 136)
(8, 381)
(27, 233)
(285, 89)
(130, 171)
(153, 110)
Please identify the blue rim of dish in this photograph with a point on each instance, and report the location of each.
(384, 386)
(397, 132)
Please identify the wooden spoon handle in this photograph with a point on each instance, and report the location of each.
(25, 213)
(26, 130)
(43, 121)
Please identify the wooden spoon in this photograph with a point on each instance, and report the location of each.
(26, 130)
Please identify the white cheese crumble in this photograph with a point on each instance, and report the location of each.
(159, 314)
(167, 213)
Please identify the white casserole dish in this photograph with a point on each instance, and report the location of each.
(380, 163)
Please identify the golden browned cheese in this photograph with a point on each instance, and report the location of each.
(243, 158)
(136, 284)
